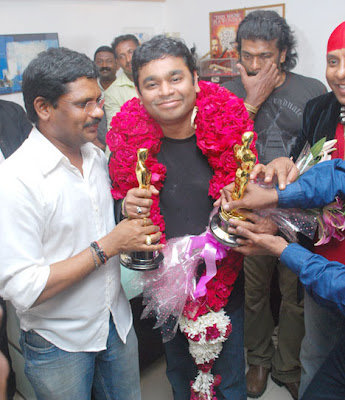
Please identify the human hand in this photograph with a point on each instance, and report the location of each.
(260, 86)
(254, 223)
(131, 235)
(255, 197)
(139, 200)
(255, 244)
(283, 168)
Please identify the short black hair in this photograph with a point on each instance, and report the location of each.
(269, 25)
(124, 38)
(108, 49)
(159, 47)
(48, 74)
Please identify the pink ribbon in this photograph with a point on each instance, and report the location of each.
(211, 252)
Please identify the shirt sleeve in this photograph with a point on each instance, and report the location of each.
(323, 279)
(23, 272)
(316, 188)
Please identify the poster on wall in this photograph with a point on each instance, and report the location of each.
(223, 28)
(224, 25)
(16, 51)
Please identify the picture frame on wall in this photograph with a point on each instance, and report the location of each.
(223, 29)
(16, 52)
(224, 25)
(278, 8)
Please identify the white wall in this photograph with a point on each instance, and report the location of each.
(312, 20)
(84, 25)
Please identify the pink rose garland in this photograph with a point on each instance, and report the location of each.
(220, 122)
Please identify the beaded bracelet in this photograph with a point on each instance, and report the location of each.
(250, 108)
(100, 253)
(93, 252)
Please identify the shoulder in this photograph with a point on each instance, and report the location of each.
(19, 172)
(306, 83)
(10, 106)
(235, 85)
(320, 103)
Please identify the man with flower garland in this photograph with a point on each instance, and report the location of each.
(190, 129)
(59, 242)
(275, 99)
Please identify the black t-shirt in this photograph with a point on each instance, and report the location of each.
(279, 120)
(184, 200)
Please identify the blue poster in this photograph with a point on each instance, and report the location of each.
(16, 51)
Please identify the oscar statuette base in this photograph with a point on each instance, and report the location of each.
(141, 260)
(219, 228)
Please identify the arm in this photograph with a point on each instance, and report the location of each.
(323, 279)
(127, 235)
(316, 188)
(26, 278)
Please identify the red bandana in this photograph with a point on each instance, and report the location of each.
(337, 39)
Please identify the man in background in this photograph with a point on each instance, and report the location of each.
(275, 99)
(105, 60)
(14, 129)
(123, 88)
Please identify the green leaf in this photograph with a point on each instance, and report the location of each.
(317, 147)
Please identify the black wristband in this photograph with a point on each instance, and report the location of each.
(99, 251)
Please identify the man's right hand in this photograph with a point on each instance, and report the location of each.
(259, 87)
(131, 235)
(139, 200)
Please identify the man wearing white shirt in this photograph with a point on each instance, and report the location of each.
(59, 242)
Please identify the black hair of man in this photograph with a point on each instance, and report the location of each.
(108, 49)
(124, 38)
(267, 26)
(158, 47)
(48, 74)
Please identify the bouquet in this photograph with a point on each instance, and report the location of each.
(329, 221)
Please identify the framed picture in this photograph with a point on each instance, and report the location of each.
(16, 51)
(223, 29)
(224, 25)
(278, 8)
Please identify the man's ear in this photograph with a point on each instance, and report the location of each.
(42, 108)
(283, 56)
(196, 83)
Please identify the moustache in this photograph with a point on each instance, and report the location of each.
(94, 122)
(105, 69)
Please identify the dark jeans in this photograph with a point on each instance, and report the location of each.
(181, 368)
(329, 381)
(11, 380)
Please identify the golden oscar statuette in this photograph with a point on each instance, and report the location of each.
(142, 260)
(246, 160)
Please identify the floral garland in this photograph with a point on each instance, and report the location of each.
(220, 122)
